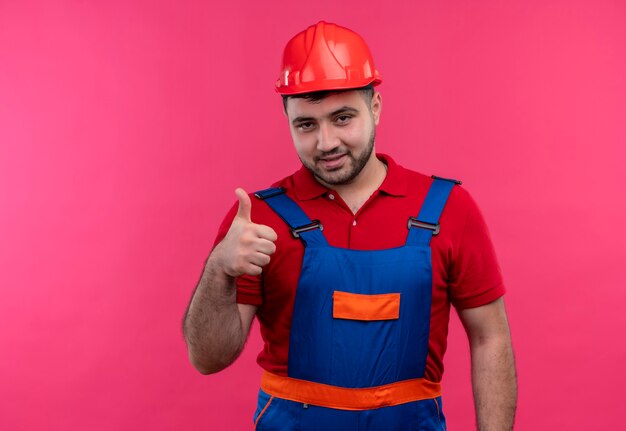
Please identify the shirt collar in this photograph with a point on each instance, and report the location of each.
(394, 184)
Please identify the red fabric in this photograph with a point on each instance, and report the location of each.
(465, 269)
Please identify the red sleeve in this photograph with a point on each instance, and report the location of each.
(475, 275)
(248, 287)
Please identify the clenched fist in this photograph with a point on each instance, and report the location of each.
(247, 246)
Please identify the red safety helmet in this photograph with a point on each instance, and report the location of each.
(326, 57)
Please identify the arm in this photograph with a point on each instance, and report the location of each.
(494, 379)
(215, 326)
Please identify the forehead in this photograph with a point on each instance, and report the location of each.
(300, 107)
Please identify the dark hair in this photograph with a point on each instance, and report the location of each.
(367, 92)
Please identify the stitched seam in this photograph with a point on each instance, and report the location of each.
(263, 411)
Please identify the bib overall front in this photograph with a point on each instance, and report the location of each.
(359, 332)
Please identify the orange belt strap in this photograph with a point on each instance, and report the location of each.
(337, 397)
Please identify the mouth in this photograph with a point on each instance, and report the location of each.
(332, 162)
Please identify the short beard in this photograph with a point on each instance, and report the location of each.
(357, 164)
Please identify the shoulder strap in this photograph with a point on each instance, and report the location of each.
(302, 227)
(426, 224)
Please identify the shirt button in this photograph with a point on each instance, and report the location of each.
(354, 223)
(331, 196)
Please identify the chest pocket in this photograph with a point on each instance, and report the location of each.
(354, 306)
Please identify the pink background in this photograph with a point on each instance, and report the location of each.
(126, 125)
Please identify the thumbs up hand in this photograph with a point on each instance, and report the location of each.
(247, 246)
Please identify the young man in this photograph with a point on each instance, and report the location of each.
(350, 266)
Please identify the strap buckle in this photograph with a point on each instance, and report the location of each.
(413, 222)
(269, 193)
(457, 182)
(315, 224)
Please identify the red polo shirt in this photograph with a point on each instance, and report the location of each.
(465, 269)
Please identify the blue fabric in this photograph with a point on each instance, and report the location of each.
(356, 353)
(277, 414)
(353, 353)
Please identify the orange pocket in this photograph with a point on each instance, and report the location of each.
(354, 306)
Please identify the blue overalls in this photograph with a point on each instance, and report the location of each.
(359, 332)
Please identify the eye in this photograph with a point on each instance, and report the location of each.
(306, 126)
(342, 119)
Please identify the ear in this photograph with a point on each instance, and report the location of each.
(376, 106)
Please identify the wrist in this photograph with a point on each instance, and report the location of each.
(217, 264)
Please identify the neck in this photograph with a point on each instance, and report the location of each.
(357, 192)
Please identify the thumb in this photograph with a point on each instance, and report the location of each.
(245, 205)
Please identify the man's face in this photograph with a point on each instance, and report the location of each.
(334, 137)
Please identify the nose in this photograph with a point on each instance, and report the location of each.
(327, 140)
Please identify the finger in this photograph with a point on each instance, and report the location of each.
(252, 269)
(245, 206)
(255, 270)
(266, 232)
(259, 259)
(265, 246)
